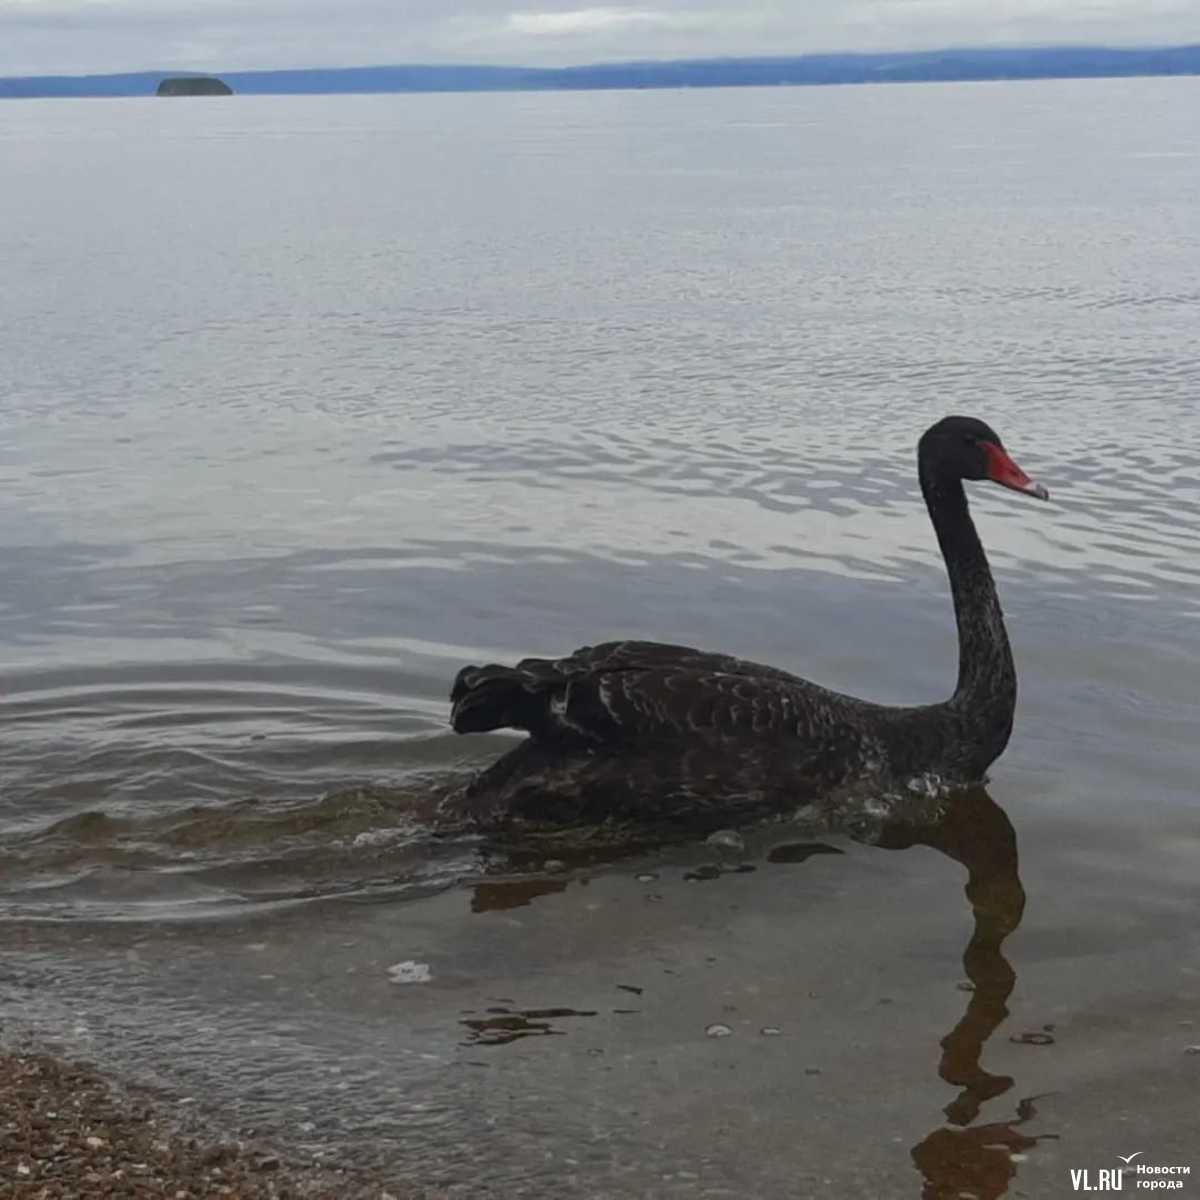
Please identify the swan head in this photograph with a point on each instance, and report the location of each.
(966, 448)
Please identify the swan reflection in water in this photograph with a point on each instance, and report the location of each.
(959, 1157)
(963, 1158)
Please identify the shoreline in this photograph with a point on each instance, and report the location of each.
(68, 1130)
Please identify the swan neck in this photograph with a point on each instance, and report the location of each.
(986, 692)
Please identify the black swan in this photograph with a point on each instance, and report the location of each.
(644, 730)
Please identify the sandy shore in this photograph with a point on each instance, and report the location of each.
(65, 1131)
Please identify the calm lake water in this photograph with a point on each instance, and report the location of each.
(304, 403)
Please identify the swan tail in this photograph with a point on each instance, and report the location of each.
(496, 697)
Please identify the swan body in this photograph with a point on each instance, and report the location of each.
(643, 729)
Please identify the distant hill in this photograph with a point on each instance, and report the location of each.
(1061, 62)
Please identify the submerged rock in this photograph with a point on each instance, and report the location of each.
(727, 840)
(194, 85)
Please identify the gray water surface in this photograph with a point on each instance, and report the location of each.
(305, 403)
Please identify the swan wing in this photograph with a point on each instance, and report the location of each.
(619, 692)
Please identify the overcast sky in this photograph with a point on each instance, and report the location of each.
(71, 36)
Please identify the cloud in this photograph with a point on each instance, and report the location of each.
(586, 20)
(70, 36)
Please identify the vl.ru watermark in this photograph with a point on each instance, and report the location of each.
(1143, 1177)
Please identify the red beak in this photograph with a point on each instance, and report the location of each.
(1002, 470)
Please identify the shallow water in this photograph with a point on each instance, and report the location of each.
(308, 402)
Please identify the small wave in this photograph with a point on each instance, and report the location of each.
(362, 843)
(245, 853)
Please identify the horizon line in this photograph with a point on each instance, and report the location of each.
(464, 65)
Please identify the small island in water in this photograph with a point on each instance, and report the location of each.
(194, 85)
